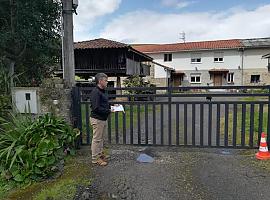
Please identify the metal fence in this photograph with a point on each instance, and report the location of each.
(224, 116)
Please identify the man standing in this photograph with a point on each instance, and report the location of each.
(99, 115)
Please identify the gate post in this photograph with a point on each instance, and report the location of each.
(170, 114)
(76, 113)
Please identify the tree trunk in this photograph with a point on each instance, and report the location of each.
(11, 73)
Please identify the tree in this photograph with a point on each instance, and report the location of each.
(30, 38)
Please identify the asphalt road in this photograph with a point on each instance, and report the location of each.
(180, 173)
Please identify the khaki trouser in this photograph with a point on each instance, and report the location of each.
(98, 134)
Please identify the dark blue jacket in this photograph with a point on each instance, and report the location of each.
(99, 104)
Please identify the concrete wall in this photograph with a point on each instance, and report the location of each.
(182, 60)
(206, 78)
(232, 60)
(253, 58)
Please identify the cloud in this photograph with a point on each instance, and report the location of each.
(152, 27)
(89, 11)
(176, 3)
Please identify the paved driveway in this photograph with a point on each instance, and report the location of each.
(181, 173)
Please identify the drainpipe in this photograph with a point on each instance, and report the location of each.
(242, 65)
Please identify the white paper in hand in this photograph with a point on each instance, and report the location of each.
(118, 108)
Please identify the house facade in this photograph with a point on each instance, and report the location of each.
(221, 62)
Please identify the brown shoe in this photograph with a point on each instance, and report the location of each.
(105, 157)
(100, 162)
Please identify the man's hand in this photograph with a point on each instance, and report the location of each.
(112, 109)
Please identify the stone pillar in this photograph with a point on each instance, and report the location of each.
(56, 98)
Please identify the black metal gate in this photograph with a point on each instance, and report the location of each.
(226, 116)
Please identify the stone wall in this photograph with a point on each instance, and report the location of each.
(55, 98)
(264, 76)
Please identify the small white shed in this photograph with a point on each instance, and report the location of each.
(26, 99)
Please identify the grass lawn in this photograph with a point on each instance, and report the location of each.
(247, 124)
(119, 116)
(76, 172)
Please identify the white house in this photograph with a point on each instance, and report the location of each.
(220, 62)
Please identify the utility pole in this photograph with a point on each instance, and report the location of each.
(68, 42)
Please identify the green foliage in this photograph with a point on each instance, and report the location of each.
(65, 190)
(5, 90)
(32, 149)
(137, 81)
(30, 37)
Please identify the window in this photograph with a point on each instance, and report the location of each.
(27, 96)
(167, 57)
(255, 78)
(218, 57)
(196, 58)
(230, 78)
(195, 78)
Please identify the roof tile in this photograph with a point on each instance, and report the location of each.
(188, 46)
(99, 44)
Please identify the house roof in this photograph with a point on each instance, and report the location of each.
(204, 45)
(256, 42)
(188, 46)
(100, 43)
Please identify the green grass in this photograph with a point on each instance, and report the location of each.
(76, 172)
(247, 124)
(119, 116)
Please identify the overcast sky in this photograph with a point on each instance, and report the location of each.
(162, 21)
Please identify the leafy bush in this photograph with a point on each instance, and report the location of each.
(5, 89)
(33, 149)
(137, 81)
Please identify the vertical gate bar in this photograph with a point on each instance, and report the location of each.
(131, 123)
(170, 116)
(268, 124)
(124, 126)
(87, 124)
(251, 125)
(193, 123)
(218, 126)
(79, 112)
(201, 123)
(161, 124)
(154, 123)
(210, 124)
(260, 128)
(139, 123)
(243, 130)
(234, 125)
(185, 124)
(226, 138)
(177, 124)
(146, 123)
(116, 127)
(110, 129)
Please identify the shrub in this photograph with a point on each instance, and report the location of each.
(137, 81)
(33, 149)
